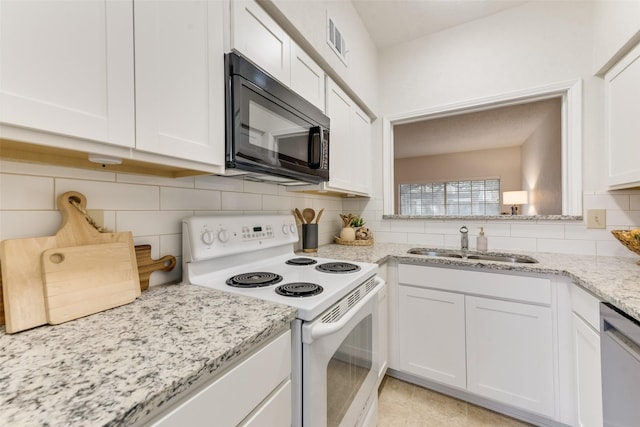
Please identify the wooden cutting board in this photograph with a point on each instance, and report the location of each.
(82, 280)
(146, 266)
(23, 287)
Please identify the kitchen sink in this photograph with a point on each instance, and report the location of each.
(472, 255)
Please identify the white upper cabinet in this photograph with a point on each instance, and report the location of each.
(179, 70)
(622, 127)
(66, 67)
(258, 37)
(307, 78)
(350, 144)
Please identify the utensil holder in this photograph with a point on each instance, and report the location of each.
(310, 237)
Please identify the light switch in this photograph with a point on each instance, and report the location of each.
(596, 218)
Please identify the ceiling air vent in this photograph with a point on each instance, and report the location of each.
(336, 40)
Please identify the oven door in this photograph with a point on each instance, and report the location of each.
(340, 365)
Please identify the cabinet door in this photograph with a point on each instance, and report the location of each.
(361, 151)
(432, 335)
(66, 67)
(383, 331)
(510, 353)
(180, 79)
(622, 102)
(307, 78)
(587, 368)
(340, 151)
(258, 37)
(350, 149)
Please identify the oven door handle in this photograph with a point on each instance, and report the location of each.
(320, 329)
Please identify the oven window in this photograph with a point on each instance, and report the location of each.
(347, 370)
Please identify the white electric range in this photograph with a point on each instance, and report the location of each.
(337, 322)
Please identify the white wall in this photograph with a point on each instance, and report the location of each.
(150, 207)
(533, 45)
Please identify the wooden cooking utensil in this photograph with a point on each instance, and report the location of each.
(82, 280)
(299, 215)
(319, 215)
(308, 215)
(22, 281)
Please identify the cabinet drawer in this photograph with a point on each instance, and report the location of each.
(506, 286)
(585, 305)
(231, 397)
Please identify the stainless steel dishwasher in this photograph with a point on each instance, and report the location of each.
(620, 348)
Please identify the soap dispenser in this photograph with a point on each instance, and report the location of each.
(481, 241)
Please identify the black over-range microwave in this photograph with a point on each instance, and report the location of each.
(270, 130)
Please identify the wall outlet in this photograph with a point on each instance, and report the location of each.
(596, 218)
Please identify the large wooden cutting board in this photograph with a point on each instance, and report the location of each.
(82, 280)
(23, 287)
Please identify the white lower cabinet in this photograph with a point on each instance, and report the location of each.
(383, 332)
(246, 395)
(487, 334)
(510, 354)
(432, 335)
(586, 341)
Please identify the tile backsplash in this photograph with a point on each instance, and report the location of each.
(150, 207)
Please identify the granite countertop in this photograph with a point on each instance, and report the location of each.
(614, 280)
(114, 367)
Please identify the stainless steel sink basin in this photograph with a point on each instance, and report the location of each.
(473, 255)
(435, 252)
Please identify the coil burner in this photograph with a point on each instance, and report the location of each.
(299, 289)
(254, 280)
(337, 267)
(301, 261)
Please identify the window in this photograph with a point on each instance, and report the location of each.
(473, 197)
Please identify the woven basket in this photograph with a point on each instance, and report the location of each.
(629, 238)
(367, 242)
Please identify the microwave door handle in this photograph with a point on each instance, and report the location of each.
(314, 147)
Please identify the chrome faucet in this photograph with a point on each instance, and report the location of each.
(464, 238)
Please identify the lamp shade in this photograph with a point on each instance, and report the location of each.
(515, 197)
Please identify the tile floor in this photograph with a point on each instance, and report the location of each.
(408, 405)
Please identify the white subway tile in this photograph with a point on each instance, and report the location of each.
(352, 205)
(426, 240)
(581, 232)
(517, 244)
(613, 248)
(547, 231)
(605, 201)
(620, 219)
(407, 226)
(111, 195)
(154, 241)
(329, 204)
(578, 247)
(634, 202)
(280, 203)
(26, 192)
(387, 237)
(186, 182)
(170, 244)
(25, 224)
(221, 183)
(260, 188)
(150, 223)
(188, 199)
(240, 201)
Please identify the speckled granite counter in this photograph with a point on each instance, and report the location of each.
(113, 367)
(614, 280)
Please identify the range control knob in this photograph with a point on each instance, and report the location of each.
(292, 227)
(223, 236)
(208, 237)
(285, 229)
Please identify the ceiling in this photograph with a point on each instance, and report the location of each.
(500, 127)
(394, 21)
